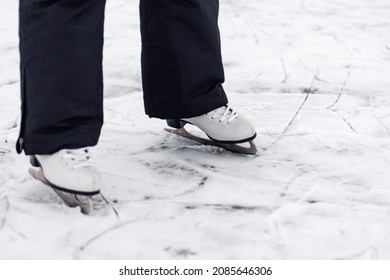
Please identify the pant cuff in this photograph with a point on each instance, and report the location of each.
(73, 140)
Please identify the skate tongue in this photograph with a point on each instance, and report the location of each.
(79, 157)
(225, 113)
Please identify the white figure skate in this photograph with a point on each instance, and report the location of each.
(224, 126)
(72, 175)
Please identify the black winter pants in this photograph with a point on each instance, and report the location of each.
(61, 44)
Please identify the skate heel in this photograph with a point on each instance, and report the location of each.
(34, 161)
(176, 123)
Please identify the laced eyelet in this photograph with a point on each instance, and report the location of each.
(225, 113)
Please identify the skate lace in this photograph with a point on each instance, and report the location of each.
(78, 157)
(225, 113)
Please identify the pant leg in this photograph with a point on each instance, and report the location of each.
(61, 45)
(181, 57)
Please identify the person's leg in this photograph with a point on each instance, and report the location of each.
(181, 58)
(182, 69)
(61, 74)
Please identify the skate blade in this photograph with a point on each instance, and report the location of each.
(70, 199)
(234, 148)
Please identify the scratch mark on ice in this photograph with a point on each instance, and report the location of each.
(259, 74)
(308, 93)
(110, 204)
(228, 207)
(4, 203)
(387, 46)
(380, 122)
(347, 122)
(341, 91)
(78, 252)
(284, 71)
(286, 188)
(315, 73)
(371, 252)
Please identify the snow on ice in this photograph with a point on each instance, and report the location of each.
(314, 78)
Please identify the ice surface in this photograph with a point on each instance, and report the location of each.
(314, 76)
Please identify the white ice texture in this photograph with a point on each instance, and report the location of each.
(313, 76)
